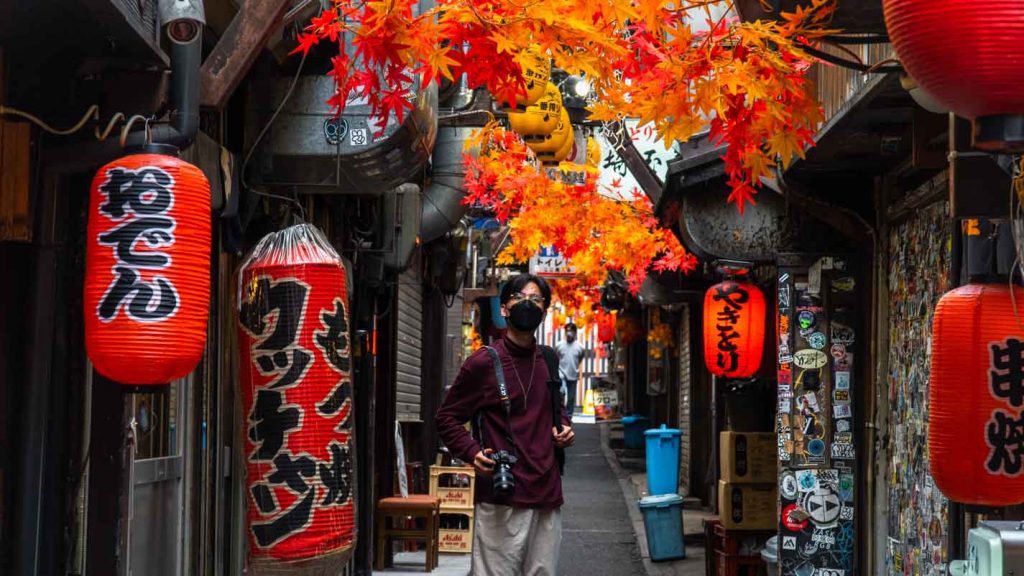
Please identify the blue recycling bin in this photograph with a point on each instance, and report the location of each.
(633, 432)
(662, 460)
(663, 523)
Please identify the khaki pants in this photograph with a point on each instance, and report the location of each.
(516, 541)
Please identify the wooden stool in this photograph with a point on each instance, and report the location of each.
(415, 506)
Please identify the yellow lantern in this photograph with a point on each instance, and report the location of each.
(548, 149)
(536, 72)
(540, 120)
(593, 151)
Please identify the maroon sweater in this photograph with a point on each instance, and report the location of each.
(538, 484)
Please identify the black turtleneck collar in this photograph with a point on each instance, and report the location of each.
(517, 350)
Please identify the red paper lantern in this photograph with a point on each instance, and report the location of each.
(965, 53)
(605, 327)
(976, 395)
(296, 389)
(734, 318)
(147, 278)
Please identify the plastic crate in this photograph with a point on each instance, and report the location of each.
(456, 540)
(453, 497)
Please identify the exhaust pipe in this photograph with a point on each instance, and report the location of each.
(442, 200)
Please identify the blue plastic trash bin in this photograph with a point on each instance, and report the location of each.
(662, 460)
(633, 431)
(663, 522)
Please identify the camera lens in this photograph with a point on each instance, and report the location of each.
(504, 483)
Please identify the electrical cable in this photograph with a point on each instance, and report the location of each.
(91, 113)
(263, 132)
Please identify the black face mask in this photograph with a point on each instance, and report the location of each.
(570, 337)
(525, 316)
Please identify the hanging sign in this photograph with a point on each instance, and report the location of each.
(296, 388)
(147, 281)
(549, 263)
(734, 319)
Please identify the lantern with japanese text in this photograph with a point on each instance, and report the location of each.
(538, 121)
(976, 395)
(967, 55)
(536, 66)
(734, 319)
(147, 281)
(296, 388)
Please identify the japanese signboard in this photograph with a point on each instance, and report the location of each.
(549, 263)
(297, 395)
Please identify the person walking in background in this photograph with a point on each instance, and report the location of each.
(570, 365)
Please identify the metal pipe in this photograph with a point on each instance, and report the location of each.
(442, 200)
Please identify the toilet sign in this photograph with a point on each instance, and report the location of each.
(549, 263)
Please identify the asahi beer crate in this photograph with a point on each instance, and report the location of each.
(453, 485)
(455, 534)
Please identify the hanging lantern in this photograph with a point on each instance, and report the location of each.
(540, 120)
(536, 72)
(147, 280)
(556, 146)
(966, 54)
(605, 327)
(734, 318)
(296, 389)
(976, 395)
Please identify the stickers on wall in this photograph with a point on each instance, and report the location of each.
(842, 380)
(810, 359)
(817, 340)
(788, 486)
(806, 480)
(842, 410)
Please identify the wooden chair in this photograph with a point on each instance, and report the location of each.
(397, 508)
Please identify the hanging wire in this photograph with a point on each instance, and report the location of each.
(263, 132)
(92, 113)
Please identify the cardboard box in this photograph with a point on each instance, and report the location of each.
(748, 506)
(749, 457)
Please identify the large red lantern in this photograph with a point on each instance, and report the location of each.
(976, 395)
(147, 279)
(734, 318)
(296, 390)
(965, 53)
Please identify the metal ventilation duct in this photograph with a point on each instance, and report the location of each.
(442, 200)
(309, 150)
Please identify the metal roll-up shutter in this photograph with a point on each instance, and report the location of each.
(409, 351)
(453, 341)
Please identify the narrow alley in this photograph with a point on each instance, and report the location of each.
(311, 287)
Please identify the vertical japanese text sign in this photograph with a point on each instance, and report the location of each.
(147, 282)
(297, 395)
(734, 317)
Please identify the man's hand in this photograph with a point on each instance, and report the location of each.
(565, 438)
(484, 465)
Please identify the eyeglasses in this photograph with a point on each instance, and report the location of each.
(518, 297)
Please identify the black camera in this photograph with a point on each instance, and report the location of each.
(504, 482)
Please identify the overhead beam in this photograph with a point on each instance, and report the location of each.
(238, 48)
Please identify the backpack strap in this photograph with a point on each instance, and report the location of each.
(554, 385)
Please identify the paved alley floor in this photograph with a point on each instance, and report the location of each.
(597, 534)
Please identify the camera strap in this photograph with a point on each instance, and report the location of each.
(506, 401)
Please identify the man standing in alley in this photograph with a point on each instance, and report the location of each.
(570, 365)
(502, 389)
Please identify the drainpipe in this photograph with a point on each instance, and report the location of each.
(442, 200)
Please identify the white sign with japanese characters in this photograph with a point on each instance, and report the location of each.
(548, 263)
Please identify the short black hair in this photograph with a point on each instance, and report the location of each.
(517, 283)
(571, 327)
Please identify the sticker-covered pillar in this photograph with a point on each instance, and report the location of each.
(816, 420)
